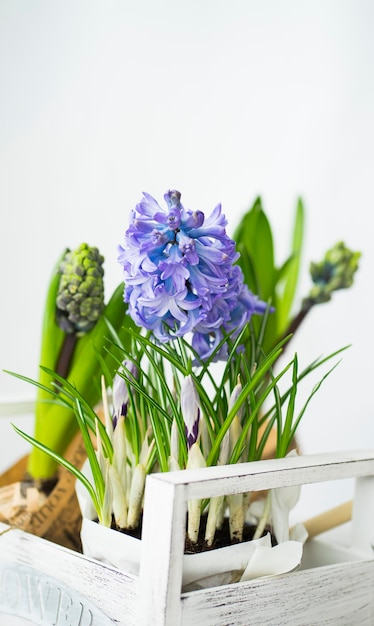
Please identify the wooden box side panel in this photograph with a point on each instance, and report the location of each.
(340, 595)
(166, 497)
(39, 579)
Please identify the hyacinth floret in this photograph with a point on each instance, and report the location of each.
(180, 274)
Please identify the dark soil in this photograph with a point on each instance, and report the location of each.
(45, 486)
(222, 537)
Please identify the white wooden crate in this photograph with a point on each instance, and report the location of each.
(47, 584)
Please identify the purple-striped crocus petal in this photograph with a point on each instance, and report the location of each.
(120, 399)
(190, 408)
(120, 390)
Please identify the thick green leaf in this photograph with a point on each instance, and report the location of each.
(52, 335)
(56, 425)
(289, 274)
(255, 236)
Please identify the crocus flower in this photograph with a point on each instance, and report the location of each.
(190, 410)
(121, 390)
(180, 274)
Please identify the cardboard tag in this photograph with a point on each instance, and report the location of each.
(55, 516)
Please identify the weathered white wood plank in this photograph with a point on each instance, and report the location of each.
(162, 550)
(58, 586)
(363, 515)
(340, 595)
(40, 579)
(57, 582)
(162, 505)
(266, 474)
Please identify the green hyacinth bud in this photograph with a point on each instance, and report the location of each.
(334, 272)
(80, 297)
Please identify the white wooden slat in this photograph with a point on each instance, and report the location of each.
(259, 475)
(363, 515)
(29, 564)
(340, 595)
(332, 595)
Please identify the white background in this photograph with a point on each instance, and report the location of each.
(223, 100)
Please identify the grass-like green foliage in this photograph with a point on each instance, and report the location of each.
(154, 413)
(241, 402)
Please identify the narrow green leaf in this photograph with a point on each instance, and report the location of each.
(60, 460)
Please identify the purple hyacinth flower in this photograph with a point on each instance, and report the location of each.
(180, 274)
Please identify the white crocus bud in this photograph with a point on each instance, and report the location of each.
(235, 431)
(233, 398)
(146, 451)
(120, 391)
(195, 461)
(173, 464)
(119, 503)
(224, 449)
(107, 417)
(120, 451)
(190, 408)
(136, 496)
(105, 517)
(174, 448)
(99, 449)
(235, 426)
(174, 440)
(206, 443)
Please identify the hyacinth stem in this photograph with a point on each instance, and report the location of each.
(299, 318)
(66, 354)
